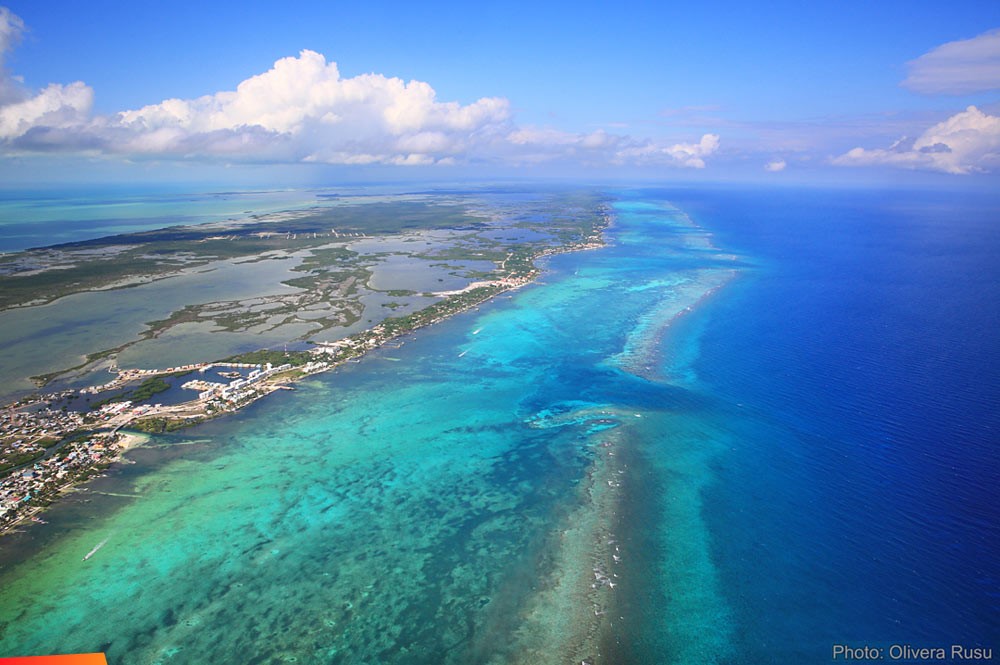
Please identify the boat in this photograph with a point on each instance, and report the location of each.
(94, 551)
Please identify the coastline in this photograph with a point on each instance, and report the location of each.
(109, 446)
(130, 440)
(323, 358)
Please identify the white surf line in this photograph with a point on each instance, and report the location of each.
(193, 442)
(466, 289)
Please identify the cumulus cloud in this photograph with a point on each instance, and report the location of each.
(967, 142)
(299, 110)
(958, 68)
(55, 106)
(775, 165)
(685, 154)
(307, 92)
(303, 110)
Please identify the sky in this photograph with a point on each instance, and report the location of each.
(853, 91)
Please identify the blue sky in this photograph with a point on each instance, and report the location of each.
(675, 90)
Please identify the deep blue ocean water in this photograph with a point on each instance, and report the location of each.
(860, 363)
(772, 414)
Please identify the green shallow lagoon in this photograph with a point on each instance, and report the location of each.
(470, 502)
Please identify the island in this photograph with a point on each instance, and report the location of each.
(354, 276)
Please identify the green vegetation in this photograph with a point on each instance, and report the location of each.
(479, 249)
(397, 325)
(319, 259)
(20, 459)
(159, 253)
(333, 278)
(51, 284)
(161, 425)
(148, 388)
(327, 280)
(140, 393)
(276, 358)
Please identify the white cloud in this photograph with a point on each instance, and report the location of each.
(306, 93)
(966, 142)
(959, 67)
(682, 154)
(691, 154)
(303, 110)
(775, 165)
(56, 105)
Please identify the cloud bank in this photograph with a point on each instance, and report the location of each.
(303, 110)
(967, 142)
(958, 68)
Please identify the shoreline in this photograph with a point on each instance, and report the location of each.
(325, 357)
(130, 440)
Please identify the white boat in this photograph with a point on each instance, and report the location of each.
(94, 551)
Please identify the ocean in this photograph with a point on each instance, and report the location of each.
(858, 502)
(758, 424)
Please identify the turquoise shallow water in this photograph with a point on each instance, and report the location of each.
(41, 218)
(483, 493)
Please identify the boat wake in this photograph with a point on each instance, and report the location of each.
(96, 547)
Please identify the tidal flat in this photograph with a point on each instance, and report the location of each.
(316, 273)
